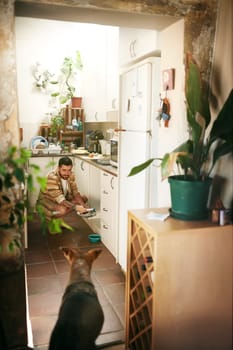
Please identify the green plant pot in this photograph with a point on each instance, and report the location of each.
(189, 198)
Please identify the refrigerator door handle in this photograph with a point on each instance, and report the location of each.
(129, 130)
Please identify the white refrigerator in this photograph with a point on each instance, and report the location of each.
(138, 124)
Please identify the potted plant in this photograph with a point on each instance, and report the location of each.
(56, 124)
(13, 204)
(16, 178)
(64, 87)
(13, 200)
(67, 80)
(195, 159)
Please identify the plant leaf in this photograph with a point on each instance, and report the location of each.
(223, 125)
(138, 168)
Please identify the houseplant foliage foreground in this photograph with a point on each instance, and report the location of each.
(196, 157)
(16, 179)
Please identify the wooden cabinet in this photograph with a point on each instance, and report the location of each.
(135, 43)
(108, 211)
(179, 284)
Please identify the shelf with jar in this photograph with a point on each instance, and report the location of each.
(66, 128)
(73, 131)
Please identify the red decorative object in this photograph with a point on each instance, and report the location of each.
(165, 111)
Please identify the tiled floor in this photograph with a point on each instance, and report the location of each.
(47, 275)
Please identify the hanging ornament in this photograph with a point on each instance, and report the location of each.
(165, 111)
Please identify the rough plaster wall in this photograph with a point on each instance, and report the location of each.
(8, 98)
(200, 19)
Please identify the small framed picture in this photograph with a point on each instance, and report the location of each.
(168, 77)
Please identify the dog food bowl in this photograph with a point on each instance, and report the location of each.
(94, 238)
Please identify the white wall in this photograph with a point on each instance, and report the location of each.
(172, 48)
(48, 42)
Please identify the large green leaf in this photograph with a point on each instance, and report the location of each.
(138, 168)
(196, 93)
(193, 87)
(223, 125)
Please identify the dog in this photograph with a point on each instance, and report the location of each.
(80, 317)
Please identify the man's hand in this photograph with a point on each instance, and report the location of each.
(80, 200)
(67, 204)
(80, 209)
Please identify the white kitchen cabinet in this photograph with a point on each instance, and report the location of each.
(94, 188)
(88, 180)
(108, 212)
(135, 43)
(82, 171)
(100, 76)
(112, 74)
(45, 164)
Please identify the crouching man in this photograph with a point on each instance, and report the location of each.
(61, 194)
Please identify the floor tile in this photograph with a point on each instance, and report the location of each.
(111, 338)
(48, 275)
(40, 269)
(37, 256)
(62, 266)
(111, 321)
(42, 328)
(63, 279)
(44, 304)
(56, 254)
(43, 285)
(120, 311)
(109, 276)
(115, 292)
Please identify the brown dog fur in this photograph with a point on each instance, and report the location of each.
(80, 317)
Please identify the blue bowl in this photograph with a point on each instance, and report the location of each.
(94, 238)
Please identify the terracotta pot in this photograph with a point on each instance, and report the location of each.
(76, 102)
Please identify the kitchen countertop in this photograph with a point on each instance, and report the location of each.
(108, 168)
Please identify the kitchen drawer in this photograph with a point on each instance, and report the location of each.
(107, 182)
(108, 238)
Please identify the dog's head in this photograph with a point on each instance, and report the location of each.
(73, 254)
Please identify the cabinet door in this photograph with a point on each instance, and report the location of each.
(100, 80)
(135, 43)
(109, 228)
(82, 170)
(94, 188)
(45, 164)
(136, 98)
(94, 78)
(112, 74)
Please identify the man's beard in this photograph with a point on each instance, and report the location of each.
(64, 177)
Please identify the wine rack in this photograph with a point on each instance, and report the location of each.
(179, 279)
(141, 261)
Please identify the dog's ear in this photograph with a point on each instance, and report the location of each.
(94, 253)
(69, 253)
